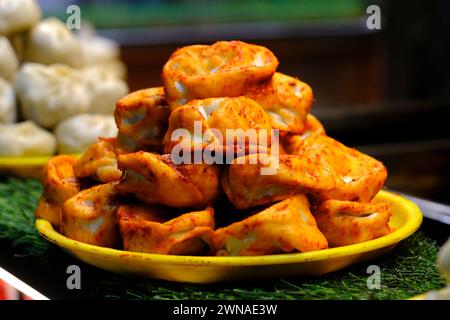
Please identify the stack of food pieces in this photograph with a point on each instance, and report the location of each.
(60, 86)
(133, 192)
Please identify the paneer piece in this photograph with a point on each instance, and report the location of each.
(215, 118)
(358, 177)
(292, 143)
(148, 229)
(155, 179)
(345, 222)
(142, 118)
(60, 183)
(246, 184)
(287, 100)
(224, 69)
(99, 162)
(90, 217)
(285, 227)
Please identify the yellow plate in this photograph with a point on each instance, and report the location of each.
(406, 219)
(24, 167)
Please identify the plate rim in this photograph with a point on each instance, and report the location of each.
(19, 162)
(413, 222)
(15, 162)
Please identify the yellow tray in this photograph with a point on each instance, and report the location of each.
(24, 167)
(406, 219)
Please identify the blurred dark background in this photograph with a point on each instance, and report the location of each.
(386, 92)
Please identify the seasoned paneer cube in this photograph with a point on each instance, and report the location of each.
(285, 227)
(246, 184)
(345, 222)
(90, 216)
(142, 118)
(60, 183)
(99, 162)
(148, 229)
(155, 179)
(358, 177)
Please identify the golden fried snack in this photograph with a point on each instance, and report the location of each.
(358, 177)
(218, 115)
(287, 100)
(89, 216)
(60, 184)
(285, 227)
(292, 142)
(155, 179)
(99, 161)
(246, 184)
(224, 69)
(345, 222)
(142, 117)
(148, 230)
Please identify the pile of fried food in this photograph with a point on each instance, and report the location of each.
(128, 192)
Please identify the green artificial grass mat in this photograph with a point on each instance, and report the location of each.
(406, 271)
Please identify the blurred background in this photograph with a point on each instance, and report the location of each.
(386, 92)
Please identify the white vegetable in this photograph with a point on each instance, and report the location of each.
(49, 94)
(105, 88)
(117, 67)
(443, 263)
(95, 49)
(50, 42)
(8, 60)
(444, 260)
(25, 139)
(100, 51)
(8, 113)
(18, 15)
(443, 294)
(77, 133)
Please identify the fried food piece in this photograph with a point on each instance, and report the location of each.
(60, 183)
(345, 222)
(287, 100)
(293, 142)
(155, 179)
(285, 227)
(99, 161)
(148, 230)
(224, 69)
(216, 116)
(89, 216)
(142, 117)
(246, 184)
(358, 177)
